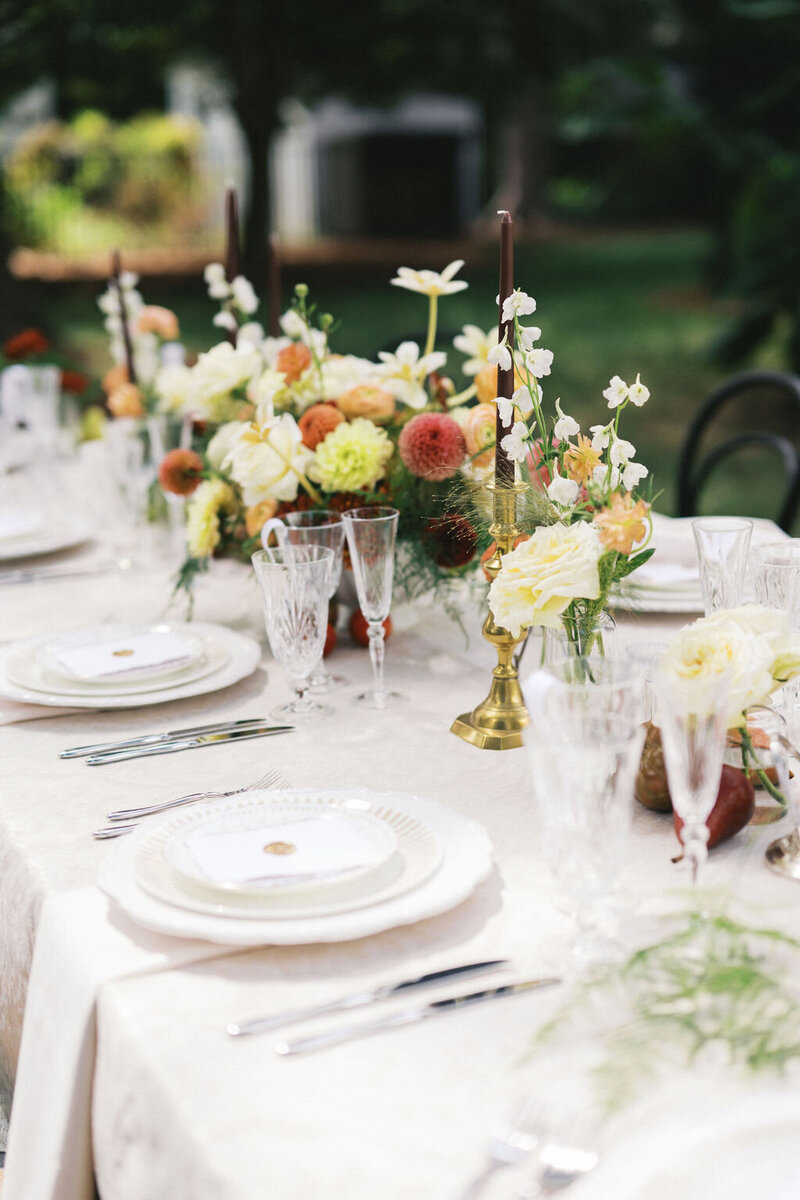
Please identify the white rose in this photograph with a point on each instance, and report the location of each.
(267, 460)
(539, 579)
(745, 644)
(217, 373)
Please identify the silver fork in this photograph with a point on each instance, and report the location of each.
(559, 1167)
(272, 780)
(508, 1145)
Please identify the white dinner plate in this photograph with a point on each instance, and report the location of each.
(415, 854)
(59, 533)
(25, 670)
(747, 1149)
(466, 861)
(242, 655)
(17, 522)
(651, 600)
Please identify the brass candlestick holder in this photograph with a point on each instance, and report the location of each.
(498, 721)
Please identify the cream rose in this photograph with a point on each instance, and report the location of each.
(268, 460)
(172, 385)
(752, 644)
(217, 374)
(222, 442)
(539, 579)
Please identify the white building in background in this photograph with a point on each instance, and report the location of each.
(342, 170)
(34, 106)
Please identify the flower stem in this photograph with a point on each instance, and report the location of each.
(430, 341)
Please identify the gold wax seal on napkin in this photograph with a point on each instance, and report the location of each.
(121, 653)
(279, 848)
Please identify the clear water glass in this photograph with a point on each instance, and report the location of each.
(313, 527)
(775, 571)
(693, 718)
(722, 544)
(585, 742)
(371, 534)
(645, 657)
(295, 585)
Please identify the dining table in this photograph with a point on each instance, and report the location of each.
(117, 1069)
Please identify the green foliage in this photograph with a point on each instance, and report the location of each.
(90, 183)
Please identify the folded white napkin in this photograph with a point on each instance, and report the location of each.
(123, 655)
(665, 575)
(281, 852)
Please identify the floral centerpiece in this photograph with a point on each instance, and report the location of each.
(588, 527)
(294, 424)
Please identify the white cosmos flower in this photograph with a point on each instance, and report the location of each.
(617, 392)
(405, 372)
(523, 400)
(528, 334)
(500, 355)
(518, 304)
(244, 296)
(601, 436)
(566, 426)
(563, 492)
(638, 393)
(432, 283)
(473, 342)
(621, 452)
(514, 442)
(632, 473)
(539, 362)
(505, 407)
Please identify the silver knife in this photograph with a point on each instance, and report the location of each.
(33, 574)
(206, 739)
(408, 1016)
(357, 999)
(152, 739)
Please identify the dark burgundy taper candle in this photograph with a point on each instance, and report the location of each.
(232, 254)
(274, 285)
(116, 273)
(503, 466)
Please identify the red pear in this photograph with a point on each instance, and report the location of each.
(735, 805)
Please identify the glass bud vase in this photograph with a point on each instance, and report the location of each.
(576, 637)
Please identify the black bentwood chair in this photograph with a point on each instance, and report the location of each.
(745, 404)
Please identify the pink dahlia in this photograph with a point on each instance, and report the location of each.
(432, 446)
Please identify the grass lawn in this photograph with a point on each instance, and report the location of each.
(607, 304)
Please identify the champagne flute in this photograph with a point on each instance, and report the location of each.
(295, 584)
(693, 718)
(312, 527)
(371, 534)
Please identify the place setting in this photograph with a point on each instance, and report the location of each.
(125, 665)
(289, 866)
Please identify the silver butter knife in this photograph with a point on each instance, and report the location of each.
(408, 1016)
(206, 739)
(358, 999)
(34, 574)
(152, 739)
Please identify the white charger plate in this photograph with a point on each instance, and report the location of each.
(466, 862)
(416, 853)
(743, 1150)
(651, 600)
(59, 534)
(242, 656)
(46, 655)
(25, 671)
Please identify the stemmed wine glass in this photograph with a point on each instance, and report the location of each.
(312, 527)
(295, 583)
(693, 717)
(371, 534)
(585, 740)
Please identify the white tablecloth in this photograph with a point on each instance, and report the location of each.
(179, 1110)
